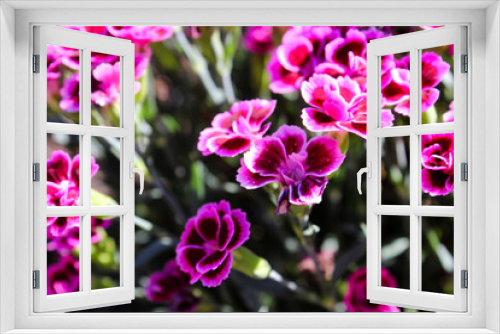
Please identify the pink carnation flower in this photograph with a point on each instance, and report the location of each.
(355, 298)
(69, 239)
(396, 83)
(348, 54)
(108, 84)
(63, 277)
(142, 34)
(438, 163)
(63, 187)
(338, 105)
(258, 39)
(300, 167)
(204, 252)
(234, 131)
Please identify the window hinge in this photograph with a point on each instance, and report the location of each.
(465, 279)
(464, 171)
(36, 279)
(36, 63)
(36, 172)
(465, 64)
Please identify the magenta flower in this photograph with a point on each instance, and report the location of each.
(63, 187)
(298, 166)
(396, 83)
(171, 285)
(69, 239)
(355, 298)
(165, 285)
(338, 105)
(438, 164)
(70, 94)
(449, 116)
(63, 277)
(258, 39)
(234, 131)
(348, 53)
(204, 252)
(142, 34)
(108, 86)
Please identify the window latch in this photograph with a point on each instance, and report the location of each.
(465, 279)
(36, 279)
(368, 171)
(141, 176)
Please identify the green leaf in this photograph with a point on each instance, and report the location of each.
(98, 198)
(197, 179)
(250, 264)
(395, 248)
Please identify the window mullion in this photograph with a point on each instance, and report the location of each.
(85, 233)
(414, 171)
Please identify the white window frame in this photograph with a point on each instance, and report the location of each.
(415, 297)
(86, 43)
(484, 101)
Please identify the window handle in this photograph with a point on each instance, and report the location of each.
(141, 176)
(368, 171)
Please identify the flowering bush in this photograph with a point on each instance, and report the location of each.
(245, 124)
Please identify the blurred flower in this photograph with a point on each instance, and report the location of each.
(300, 167)
(204, 251)
(438, 163)
(171, 285)
(70, 94)
(396, 83)
(449, 116)
(108, 86)
(193, 31)
(234, 131)
(348, 53)
(326, 263)
(355, 298)
(63, 277)
(142, 34)
(339, 105)
(69, 239)
(63, 187)
(259, 39)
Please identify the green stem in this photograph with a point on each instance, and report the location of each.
(307, 242)
(200, 66)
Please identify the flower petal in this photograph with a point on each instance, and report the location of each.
(208, 224)
(250, 180)
(190, 235)
(266, 156)
(215, 277)
(311, 189)
(211, 261)
(188, 257)
(323, 156)
(317, 120)
(58, 166)
(241, 229)
(261, 110)
(292, 137)
(226, 232)
(228, 146)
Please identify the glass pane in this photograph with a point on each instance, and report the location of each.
(395, 170)
(437, 84)
(105, 94)
(105, 182)
(63, 238)
(437, 254)
(437, 169)
(395, 235)
(105, 252)
(63, 84)
(395, 86)
(63, 170)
